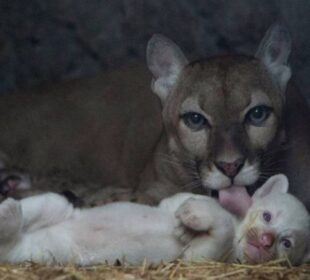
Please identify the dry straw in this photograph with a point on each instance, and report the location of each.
(176, 270)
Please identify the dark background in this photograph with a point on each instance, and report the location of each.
(43, 40)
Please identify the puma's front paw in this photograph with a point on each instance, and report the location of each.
(13, 181)
(193, 214)
(108, 194)
(10, 219)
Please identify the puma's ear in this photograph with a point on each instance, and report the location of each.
(275, 184)
(165, 60)
(274, 51)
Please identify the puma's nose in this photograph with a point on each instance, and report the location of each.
(266, 239)
(230, 169)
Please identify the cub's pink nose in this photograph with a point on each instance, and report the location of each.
(266, 239)
(230, 169)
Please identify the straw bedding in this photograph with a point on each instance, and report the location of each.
(176, 270)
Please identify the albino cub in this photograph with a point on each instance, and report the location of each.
(276, 225)
(46, 229)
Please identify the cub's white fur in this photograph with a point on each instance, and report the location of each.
(277, 225)
(47, 229)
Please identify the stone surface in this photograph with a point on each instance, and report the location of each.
(44, 40)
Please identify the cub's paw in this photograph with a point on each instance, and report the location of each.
(192, 215)
(10, 219)
(184, 234)
(10, 209)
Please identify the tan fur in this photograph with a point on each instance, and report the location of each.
(101, 129)
(223, 90)
(108, 129)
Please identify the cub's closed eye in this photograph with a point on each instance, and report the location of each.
(258, 115)
(194, 121)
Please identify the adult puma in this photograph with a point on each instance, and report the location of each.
(228, 120)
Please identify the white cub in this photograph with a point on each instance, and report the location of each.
(47, 229)
(276, 225)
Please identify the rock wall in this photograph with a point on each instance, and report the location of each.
(44, 40)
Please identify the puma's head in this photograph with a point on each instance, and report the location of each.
(277, 225)
(223, 113)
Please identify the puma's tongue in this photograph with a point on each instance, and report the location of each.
(235, 199)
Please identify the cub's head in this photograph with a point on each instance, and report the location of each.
(222, 113)
(277, 225)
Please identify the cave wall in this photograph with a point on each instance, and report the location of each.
(44, 40)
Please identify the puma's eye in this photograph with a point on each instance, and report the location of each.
(257, 115)
(194, 121)
(286, 243)
(267, 216)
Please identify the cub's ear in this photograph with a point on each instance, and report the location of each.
(275, 184)
(274, 51)
(165, 60)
